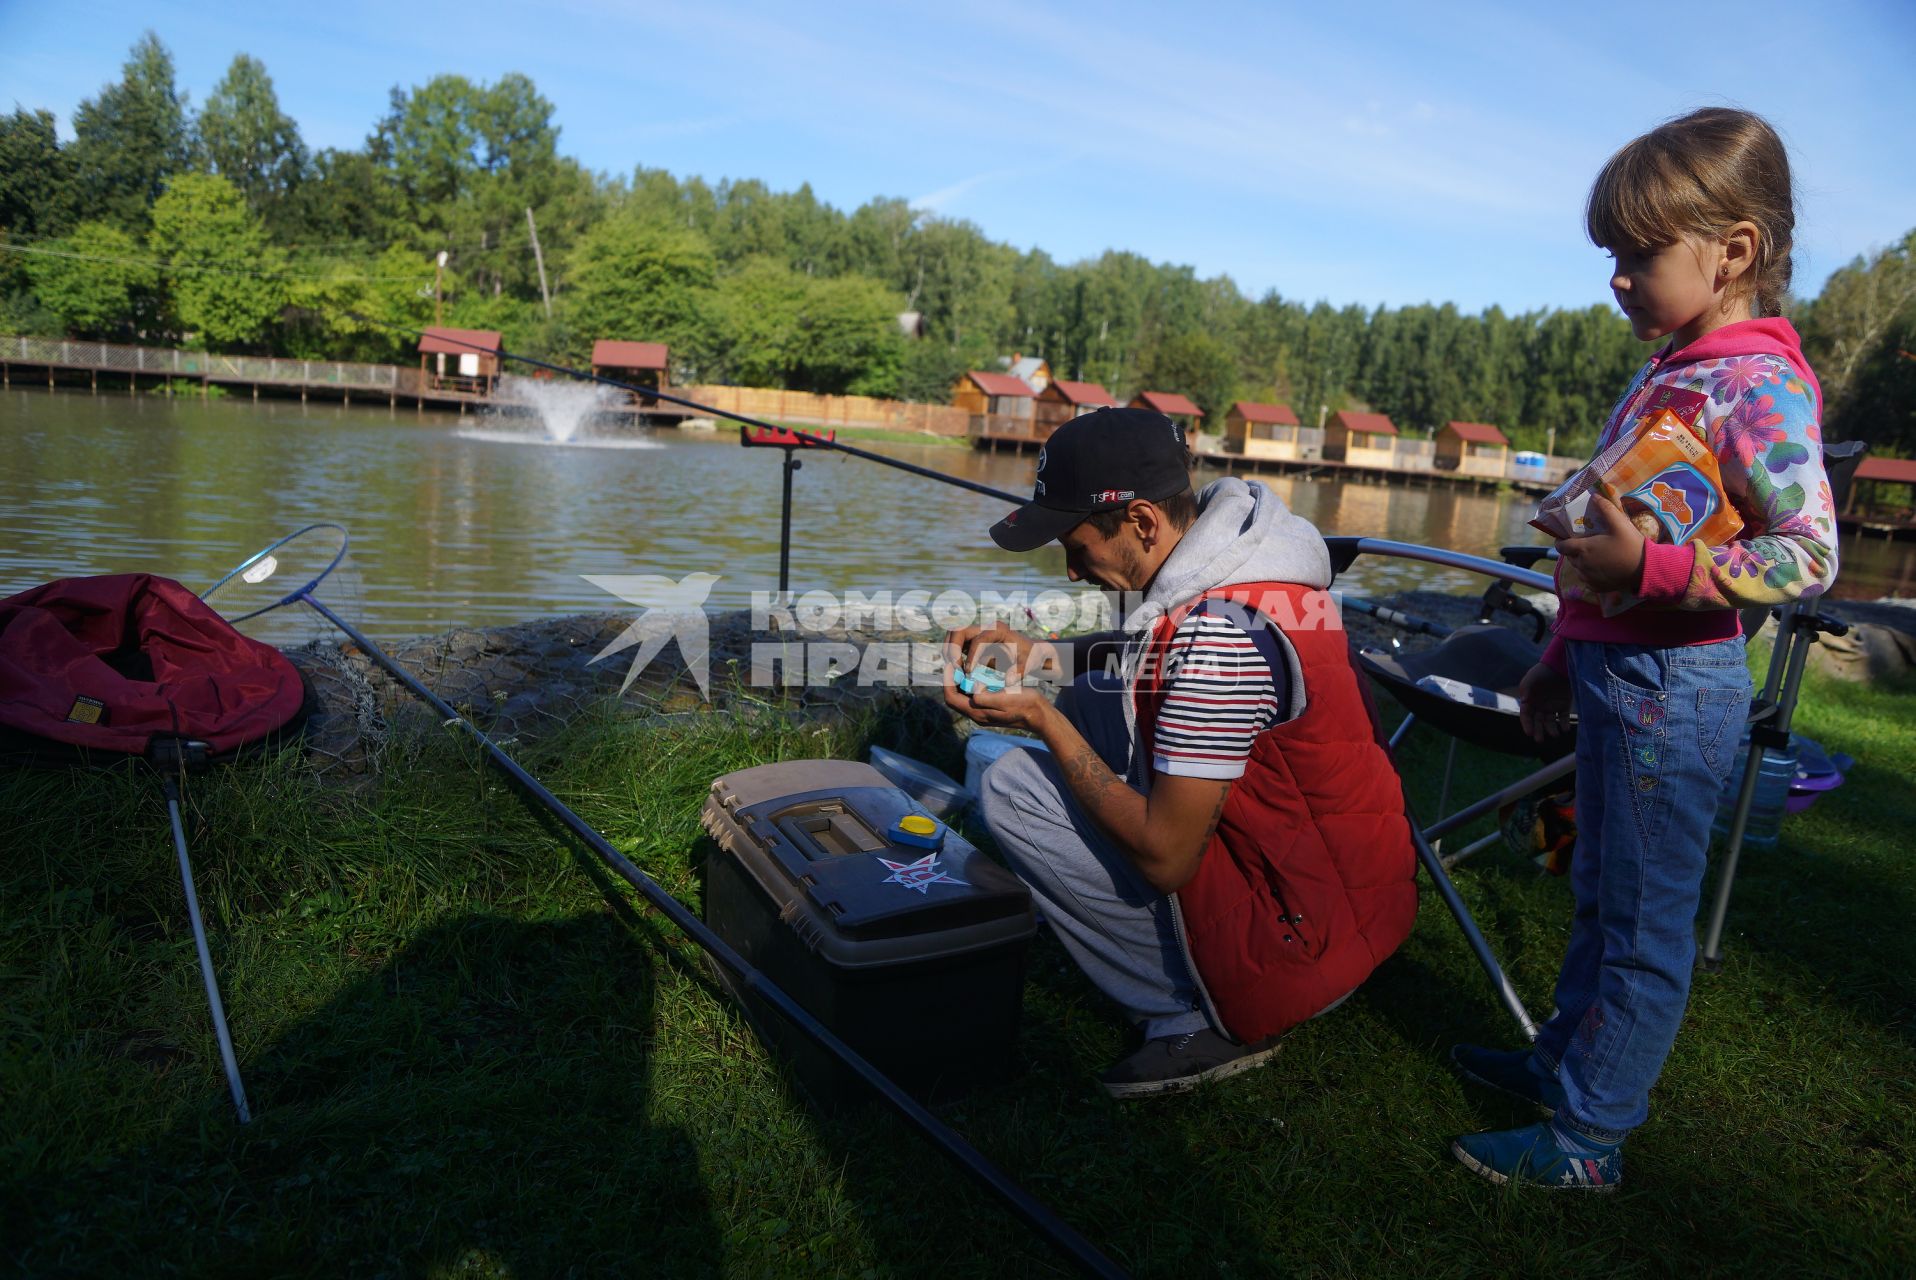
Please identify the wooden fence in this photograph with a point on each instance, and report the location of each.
(107, 357)
(806, 409)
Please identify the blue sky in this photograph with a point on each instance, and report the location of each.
(1374, 153)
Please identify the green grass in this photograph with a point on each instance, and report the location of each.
(468, 1054)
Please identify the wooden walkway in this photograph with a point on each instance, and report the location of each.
(1887, 526)
(991, 432)
(23, 359)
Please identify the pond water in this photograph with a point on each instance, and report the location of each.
(478, 521)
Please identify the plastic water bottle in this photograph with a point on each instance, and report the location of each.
(1766, 806)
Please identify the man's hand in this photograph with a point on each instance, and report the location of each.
(997, 646)
(1018, 707)
(1008, 653)
(1610, 559)
(1543, 703)
(1163, 835)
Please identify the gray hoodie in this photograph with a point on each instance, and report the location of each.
(1243, 533)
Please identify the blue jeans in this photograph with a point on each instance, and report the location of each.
(1657, 734)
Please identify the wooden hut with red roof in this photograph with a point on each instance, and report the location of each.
(993, 393)
(642, 364)
(1173, 406)
(1000, 406)
(463, 360)
(1882, 495)
(1473, 449)
(1262, 431)
(1062, 400)
(1360, 439)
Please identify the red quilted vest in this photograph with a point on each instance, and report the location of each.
(1309, 881)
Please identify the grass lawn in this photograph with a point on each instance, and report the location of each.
(468, 1054)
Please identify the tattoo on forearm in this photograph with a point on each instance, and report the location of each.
(1217, 813)
(1088, 776)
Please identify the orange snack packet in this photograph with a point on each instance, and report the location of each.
(1664, 478)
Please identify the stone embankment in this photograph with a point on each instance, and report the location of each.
(519, 682)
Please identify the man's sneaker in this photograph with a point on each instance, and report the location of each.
(1536, 1156)
(1175, 1064)
(1510, 1071)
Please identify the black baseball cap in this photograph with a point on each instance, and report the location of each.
(1099, 462)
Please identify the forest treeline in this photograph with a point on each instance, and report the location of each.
(219, 228)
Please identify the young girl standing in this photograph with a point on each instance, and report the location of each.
(1698, 214)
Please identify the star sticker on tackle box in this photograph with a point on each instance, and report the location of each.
(919, 875)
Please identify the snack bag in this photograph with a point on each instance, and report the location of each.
(1663, 477)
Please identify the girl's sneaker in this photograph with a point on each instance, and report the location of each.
(1510, 1071)
(1539, 1155)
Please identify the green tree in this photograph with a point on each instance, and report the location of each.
(1196, 365)
(346, 198)
(644, 283)
(1852, 334)
(352, 309)
(225, 282)
(131, 138)
(930, 370)
(848, 339)
(93, 279)
(36, 191)
(780, 328)
(465, 162)
(250, 142)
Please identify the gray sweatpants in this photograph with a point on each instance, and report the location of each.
(1115, 925)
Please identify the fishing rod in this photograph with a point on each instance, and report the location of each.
(263, 564)
(653, 393)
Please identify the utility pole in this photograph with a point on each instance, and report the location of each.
(540, 258)
(438, 270)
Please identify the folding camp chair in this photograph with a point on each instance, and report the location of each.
(1397, 677)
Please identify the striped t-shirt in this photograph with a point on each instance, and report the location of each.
(1225, 682)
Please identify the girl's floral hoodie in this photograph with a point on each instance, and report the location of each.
(1754, 398)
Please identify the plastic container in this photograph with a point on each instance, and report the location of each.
(933, 788)
(983, 747)
(1817, 773)
(1766, 805)
(913, 955)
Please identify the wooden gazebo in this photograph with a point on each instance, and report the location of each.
(1176, 407)
(1888, 502)
(1262, 431)
(1472, 449)
(993, 393)
(1360, 439)
(465, 360)
(643, 364)
(1063, 400)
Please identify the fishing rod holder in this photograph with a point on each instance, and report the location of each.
(791, 442)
